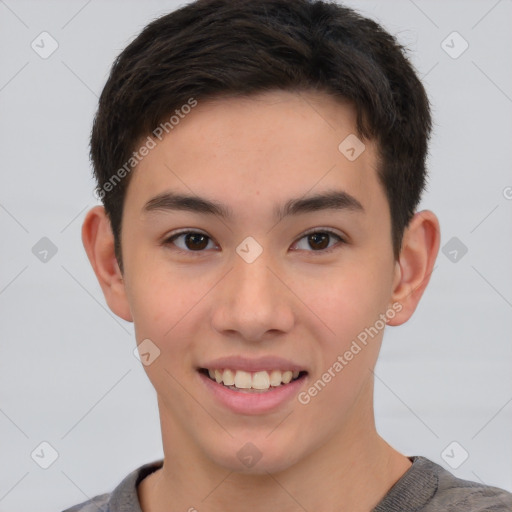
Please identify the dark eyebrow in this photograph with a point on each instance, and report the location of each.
(195, 204)
(331, 200)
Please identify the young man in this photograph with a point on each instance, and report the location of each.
(260, 165)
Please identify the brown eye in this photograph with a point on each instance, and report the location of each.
(321, 241)
(196, 241)
(189, 241)
(318, 241)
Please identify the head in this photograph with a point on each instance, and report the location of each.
(233, 120)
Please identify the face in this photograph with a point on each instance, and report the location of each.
(273, 270)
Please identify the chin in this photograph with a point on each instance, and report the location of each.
(255, 458)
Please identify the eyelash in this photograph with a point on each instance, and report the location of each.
(172, 238)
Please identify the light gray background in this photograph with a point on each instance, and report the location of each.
(67, 371)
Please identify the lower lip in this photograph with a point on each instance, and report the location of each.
(252, 403)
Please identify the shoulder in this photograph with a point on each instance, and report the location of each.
(428, 487)
(124, 498)
(457, 495)
(97, 504)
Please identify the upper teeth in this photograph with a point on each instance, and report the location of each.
(256, 380)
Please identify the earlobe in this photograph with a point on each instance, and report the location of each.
(98, 241)
(420, 246)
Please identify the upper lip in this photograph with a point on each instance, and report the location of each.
(253, 365)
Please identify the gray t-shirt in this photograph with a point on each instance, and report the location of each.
(424, 487)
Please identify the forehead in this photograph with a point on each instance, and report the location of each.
(268, 147)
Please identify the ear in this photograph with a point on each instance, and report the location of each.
(420, 246)
(98, 241)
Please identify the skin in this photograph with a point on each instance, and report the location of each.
(292, 301)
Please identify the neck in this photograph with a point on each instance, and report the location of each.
(352, 471)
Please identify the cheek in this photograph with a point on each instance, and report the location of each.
(170, 309)
(349, 299)
(160, 315)
(158, 305)
(351, 309)
(352, 305)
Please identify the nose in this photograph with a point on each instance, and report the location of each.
(253, 301)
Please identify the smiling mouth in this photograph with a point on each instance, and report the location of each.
(252, 382)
